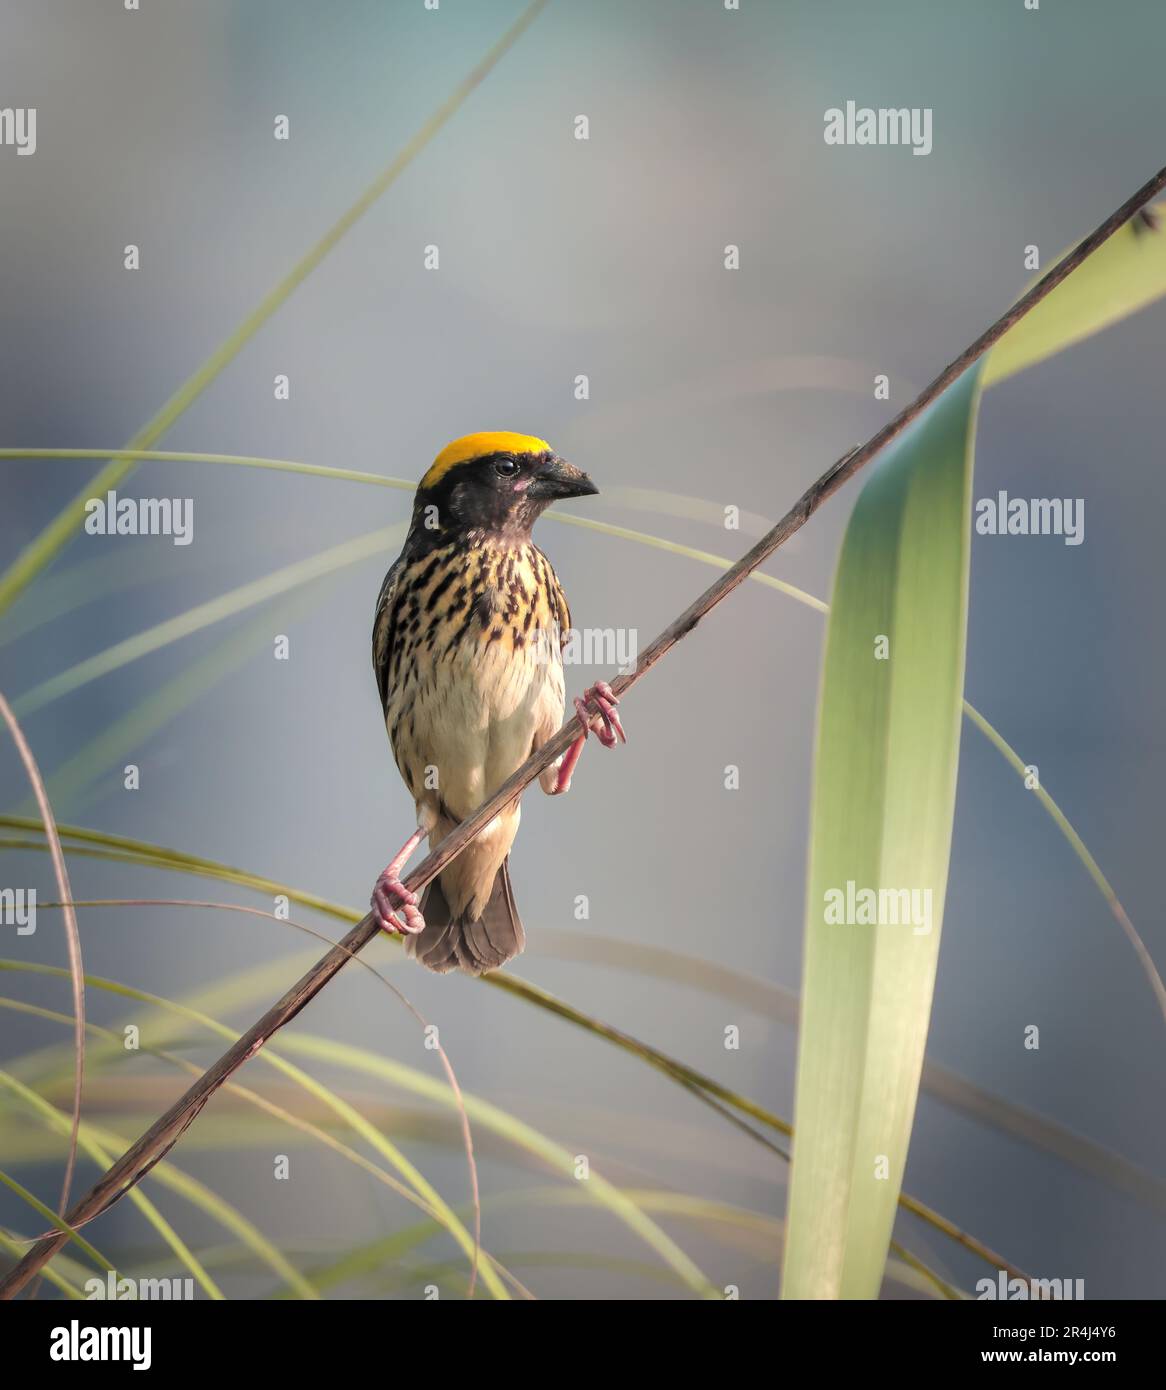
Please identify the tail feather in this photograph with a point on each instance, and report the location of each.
(433, 947)
(475, 947)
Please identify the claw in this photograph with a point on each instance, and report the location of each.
(390, 896)
(600, 695)
(603, 696)
(605, 725)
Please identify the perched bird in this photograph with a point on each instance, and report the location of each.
(467, 650)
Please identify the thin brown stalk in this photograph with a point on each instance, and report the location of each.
(72, 942)
(166, 1131)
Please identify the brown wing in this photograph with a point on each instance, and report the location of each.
(384, 628)
(556, 599)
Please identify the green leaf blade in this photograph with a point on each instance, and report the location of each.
(884, 799)
(1122, 277)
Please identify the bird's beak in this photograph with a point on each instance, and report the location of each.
(558, 478)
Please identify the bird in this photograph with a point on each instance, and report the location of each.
(467, 646)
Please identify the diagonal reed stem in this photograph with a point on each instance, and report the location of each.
(166, 1131)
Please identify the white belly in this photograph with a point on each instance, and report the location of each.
(477, 722)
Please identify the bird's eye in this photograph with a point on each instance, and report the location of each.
(505, 468)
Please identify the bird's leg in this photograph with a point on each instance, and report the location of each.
(608, 732)
(567, 766)
(390, 895)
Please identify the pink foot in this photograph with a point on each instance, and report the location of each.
(608, 733)
(600, 695)
(390, 895)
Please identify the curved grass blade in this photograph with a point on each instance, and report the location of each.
(775, 1002)
(311, 470)
(72, 944)
(202, 1197)
(18, 1247)
(88, 582)
(883, 806)
(48, 1214)
(399, 995)
(489, 1116)
(88, 1141)
(169, 859)
(1122, 277)
(1080, 849)
(654, 500)
(125, 850)
(157, 715)
(767, 999)
(237, 600)
(52, 540)
(739, 1229)
(268, 1107)
(337, 1104)
(238, 990)
(69, 785)
(99, 1142)
(157, 710)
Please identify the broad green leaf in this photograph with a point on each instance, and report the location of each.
(883, 803)
(1122, 276)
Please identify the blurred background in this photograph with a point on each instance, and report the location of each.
(561, 257)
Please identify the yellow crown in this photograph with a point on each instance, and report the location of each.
(476, 446)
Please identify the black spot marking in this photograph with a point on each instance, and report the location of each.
(428, 572)
(432, 601)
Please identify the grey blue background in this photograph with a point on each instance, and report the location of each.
(561, 257)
